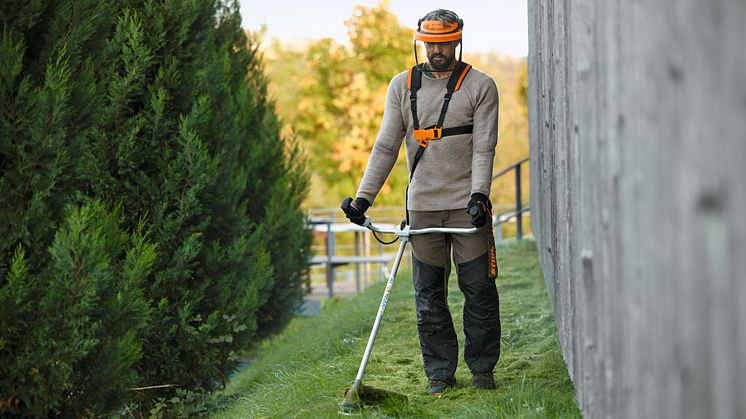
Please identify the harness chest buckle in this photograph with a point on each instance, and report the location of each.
(425, 135)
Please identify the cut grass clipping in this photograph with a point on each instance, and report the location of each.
(303, 372)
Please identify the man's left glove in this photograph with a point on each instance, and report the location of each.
(355, 210)
(479, 208)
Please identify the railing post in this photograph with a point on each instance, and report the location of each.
(518, 209)
(330, 255)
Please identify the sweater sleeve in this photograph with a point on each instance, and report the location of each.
(386, 147)
(484, 138)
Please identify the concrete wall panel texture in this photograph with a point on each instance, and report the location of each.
(638, 183)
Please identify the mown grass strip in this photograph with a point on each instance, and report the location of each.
(303, 371)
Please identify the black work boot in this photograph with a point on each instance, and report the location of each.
(483, 381)
(437, 387)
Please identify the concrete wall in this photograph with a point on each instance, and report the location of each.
(638, 177)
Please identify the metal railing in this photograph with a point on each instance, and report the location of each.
(520, 208)
(327, 227)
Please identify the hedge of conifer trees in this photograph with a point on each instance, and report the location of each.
(150, 222)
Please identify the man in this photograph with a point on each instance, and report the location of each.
(450, 187)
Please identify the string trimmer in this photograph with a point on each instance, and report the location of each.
(359, 395)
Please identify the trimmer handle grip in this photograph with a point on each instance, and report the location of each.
(346, 204)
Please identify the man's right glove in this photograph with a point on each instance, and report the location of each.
(355, 210)
(480, 208)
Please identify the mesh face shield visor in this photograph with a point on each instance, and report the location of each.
(435, 31)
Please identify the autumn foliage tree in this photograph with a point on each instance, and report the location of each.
(332, 98)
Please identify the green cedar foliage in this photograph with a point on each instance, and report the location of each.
(158, 109)
(70, 331)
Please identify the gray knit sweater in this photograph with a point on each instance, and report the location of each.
(452, 168)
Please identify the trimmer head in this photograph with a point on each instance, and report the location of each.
(357, 396)
(349, 409)
(352, 403)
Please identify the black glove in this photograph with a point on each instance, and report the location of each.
(355, 210)
(479, 208)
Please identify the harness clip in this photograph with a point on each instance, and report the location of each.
(425, 135)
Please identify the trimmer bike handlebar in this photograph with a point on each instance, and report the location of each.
(405, 230)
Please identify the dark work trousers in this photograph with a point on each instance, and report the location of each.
(472, 255)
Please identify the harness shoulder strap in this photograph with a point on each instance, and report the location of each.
(464, 70)
(454, 83)
(414, 82)
(414, 79)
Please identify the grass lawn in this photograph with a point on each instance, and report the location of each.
(303, 371)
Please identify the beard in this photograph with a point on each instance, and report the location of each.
(439, 62)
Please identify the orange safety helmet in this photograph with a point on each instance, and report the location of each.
(437, 31)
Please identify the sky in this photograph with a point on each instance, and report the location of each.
(489, 25)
